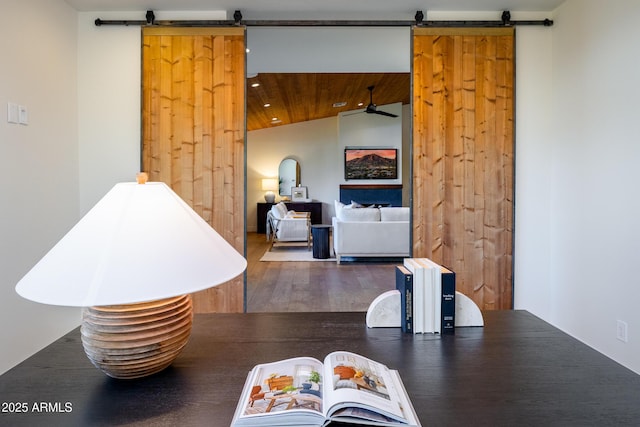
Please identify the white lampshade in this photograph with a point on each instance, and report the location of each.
(141, 242)
(269, 184)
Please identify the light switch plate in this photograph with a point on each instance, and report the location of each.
(23, 115)
(12, 112)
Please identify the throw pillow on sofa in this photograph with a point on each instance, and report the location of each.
(394, 214)
(369, 214)
(360, 205)
(339, 206)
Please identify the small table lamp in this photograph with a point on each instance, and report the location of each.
(132, 261)
(268, 185)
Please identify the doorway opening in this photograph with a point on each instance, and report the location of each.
(299, 96)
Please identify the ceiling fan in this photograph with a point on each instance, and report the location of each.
(372, 109)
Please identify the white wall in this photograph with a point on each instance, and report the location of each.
(534, 91)
(313, 144)
(372, 131)
(594, 203)
(38, 164)
(319, 150)
(577, 209)
(306, 50)
(109, 70)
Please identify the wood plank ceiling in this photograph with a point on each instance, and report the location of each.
(300, 97)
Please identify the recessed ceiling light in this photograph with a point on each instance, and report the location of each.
(267, 105)
(275, 121)
(339, 104)
(255, 84)
(360, 104)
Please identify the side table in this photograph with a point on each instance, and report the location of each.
(320, 238)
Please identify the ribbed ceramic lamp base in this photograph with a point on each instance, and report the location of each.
(136, 340)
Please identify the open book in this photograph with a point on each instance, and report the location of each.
(346, 388)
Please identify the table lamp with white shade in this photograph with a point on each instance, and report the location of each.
(268, 185)
(132, 261)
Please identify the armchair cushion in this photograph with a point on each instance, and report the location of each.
(290, 228)
(279, 210)
(293, 229)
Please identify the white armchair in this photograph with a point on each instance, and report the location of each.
(288, 226)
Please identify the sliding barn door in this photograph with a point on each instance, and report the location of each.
(193, 133)
(463, 160)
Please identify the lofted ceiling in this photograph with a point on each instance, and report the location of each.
(299, 97)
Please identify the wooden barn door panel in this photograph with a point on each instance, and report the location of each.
(463, 157)
(193, 82)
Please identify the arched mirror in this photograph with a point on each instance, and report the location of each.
(288, 176)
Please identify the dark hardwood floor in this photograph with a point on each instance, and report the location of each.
(313, 286)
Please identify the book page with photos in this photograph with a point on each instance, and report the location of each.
(279, 389)
(358, 383)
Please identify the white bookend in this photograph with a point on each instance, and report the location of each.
(384, 311)
(467, 312)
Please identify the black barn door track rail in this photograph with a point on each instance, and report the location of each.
(418, 21)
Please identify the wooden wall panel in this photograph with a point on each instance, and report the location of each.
(193, 132)
(463, 157)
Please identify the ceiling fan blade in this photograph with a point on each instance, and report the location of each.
(384, 113)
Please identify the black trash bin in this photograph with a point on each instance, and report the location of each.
(320, 236)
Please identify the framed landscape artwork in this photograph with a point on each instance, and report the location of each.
(370, 163)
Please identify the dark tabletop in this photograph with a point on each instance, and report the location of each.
(516, 370)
